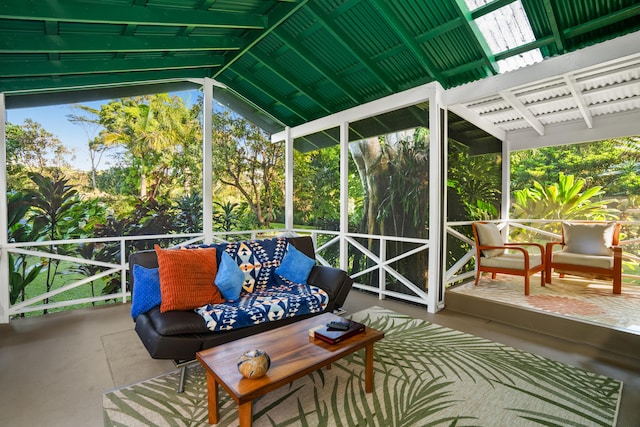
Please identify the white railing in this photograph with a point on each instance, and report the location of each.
(40, 303)
(534, 228)
(378, 262)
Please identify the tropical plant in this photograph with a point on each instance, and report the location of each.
(226, 218)
(563, 200)
(189, 213)
(21, 272)
(53, 203)
(156, 131)
(474, 184)
(394, 170)
(98, 252)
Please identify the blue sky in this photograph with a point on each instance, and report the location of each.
(54, 120)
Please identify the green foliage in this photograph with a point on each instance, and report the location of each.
(53, 202)
(248, 162)
(189, 213)
(563, 200)
(226, 217)
(613, 165)
(98, 252)
(474, 183)
(405, 206)
(317, 188)
(31, 148)
(159, 134)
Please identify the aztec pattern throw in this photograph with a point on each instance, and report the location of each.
(265, 295)
(425, 375)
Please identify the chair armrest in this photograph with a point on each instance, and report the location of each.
(537, 245)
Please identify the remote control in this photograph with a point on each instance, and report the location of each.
(341, 326)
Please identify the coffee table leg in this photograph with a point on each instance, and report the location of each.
(212, 393)
(245, 412)
(368, 369)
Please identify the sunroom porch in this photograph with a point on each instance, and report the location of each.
(464, 101)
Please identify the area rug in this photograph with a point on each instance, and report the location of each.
(590, 300)
(425, 375)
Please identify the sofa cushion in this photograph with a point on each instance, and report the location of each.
(295, 265)
(187, 278)
(146, 293)
(229, 278)
(588, 239)
(178, 322)
(489, 235)
(513, 261)
(581, 259)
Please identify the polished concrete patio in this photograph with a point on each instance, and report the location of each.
(54, 369)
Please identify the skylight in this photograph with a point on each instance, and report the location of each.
(507, 28)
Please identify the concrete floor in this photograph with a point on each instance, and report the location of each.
(54, 369)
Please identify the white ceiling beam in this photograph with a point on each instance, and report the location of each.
(477, 120)
(604, 127)
(523, 110)
(370, 109)
(579, 98)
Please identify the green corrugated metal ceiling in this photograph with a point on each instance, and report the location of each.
(294, 61)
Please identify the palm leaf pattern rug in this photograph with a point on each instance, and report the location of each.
(425, 375)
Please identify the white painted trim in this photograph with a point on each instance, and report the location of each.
(475, 119)
(579, 97)
(4, 255)
(207, 156)
(436, 210)
(344, 194)
(505, 205)
(593, 56)
(288, 180)
(508, 96)
(379, 106)
(619, 125)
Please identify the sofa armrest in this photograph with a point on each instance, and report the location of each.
(335, 282)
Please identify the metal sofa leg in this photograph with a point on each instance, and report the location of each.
(182, 364)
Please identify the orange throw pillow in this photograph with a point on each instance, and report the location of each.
(187, 278)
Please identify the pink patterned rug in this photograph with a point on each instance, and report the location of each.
(591, 300)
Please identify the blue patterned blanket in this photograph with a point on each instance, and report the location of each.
(266, 296)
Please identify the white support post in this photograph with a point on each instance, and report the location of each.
(344, 195)
(505, 205)
(4, 236)
(288, 180)
(437, 202)
(207, 155)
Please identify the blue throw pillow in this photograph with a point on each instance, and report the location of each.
(146, 290)
(295, 265)
(229, 278)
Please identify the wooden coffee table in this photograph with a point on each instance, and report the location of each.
(293, 354)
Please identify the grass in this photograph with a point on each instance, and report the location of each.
(65, 275)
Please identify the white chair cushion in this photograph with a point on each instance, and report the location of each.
(581, 259)
(588, 239)
(489, 235)
(514, 261)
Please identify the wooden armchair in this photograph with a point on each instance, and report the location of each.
(495, 256)
(588, 250)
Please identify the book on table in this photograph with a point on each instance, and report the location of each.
(334, 336)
